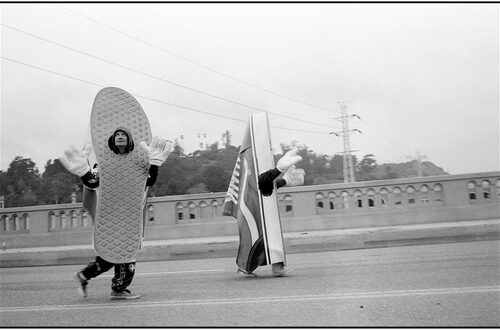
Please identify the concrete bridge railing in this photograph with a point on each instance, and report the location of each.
(320, 207)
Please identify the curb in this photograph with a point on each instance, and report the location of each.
(298, 242)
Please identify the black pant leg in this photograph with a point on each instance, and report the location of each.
(124, 273)
(96, 268)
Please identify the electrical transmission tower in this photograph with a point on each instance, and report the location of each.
(346, 132)
(418, 158)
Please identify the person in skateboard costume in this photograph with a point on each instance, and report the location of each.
(76, 162)
(266, 182)
(252, 200)
(291, 177)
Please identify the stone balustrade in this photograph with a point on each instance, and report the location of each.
(320, 207)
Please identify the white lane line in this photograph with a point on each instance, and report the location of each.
(173, 273)
(253, 300)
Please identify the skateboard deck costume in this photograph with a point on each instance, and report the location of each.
(118, 205)
(259, 225)
(116, 175)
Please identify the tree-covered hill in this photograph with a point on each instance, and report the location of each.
(408, 169)
(206, 170)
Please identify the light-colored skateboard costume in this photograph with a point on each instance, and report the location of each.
(118, 227)
(115, 173)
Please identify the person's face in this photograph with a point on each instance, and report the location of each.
(121, 139)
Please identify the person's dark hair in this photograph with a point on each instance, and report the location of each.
(111, 141)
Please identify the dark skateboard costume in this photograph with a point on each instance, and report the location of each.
(252, 199)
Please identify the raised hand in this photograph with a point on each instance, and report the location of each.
(157, 151)
(288, 159)
(75, 161)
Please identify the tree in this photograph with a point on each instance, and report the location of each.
(204, 170)
(58, 184)
(3, 183)
(20, 183)
(215, 178)
(198, 189)
(319, 168)
(226, 139)
(214, 147)
(176, 175)
(227, 158)
(177, 147)
(201, 171)
(366, 168)
(337, 167)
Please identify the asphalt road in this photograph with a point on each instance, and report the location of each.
(446, 285)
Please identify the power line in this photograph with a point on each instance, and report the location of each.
(196, 63)
(381, 135)
(347, 131)
(50, 71)
(163, 102)
(178, 85)
(379, 144)
(155, 77)
(150, 98)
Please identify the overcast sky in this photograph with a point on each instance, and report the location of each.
(422, 77)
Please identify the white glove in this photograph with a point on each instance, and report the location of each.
(75, 160)
(294, 176)
(288, 159)
(158, 151)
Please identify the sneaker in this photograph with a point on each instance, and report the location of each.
(82, 284)
(280, 270)
(123, 295)
(244, 272)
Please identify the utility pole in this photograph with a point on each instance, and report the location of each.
(418, 158)
(346, 132)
